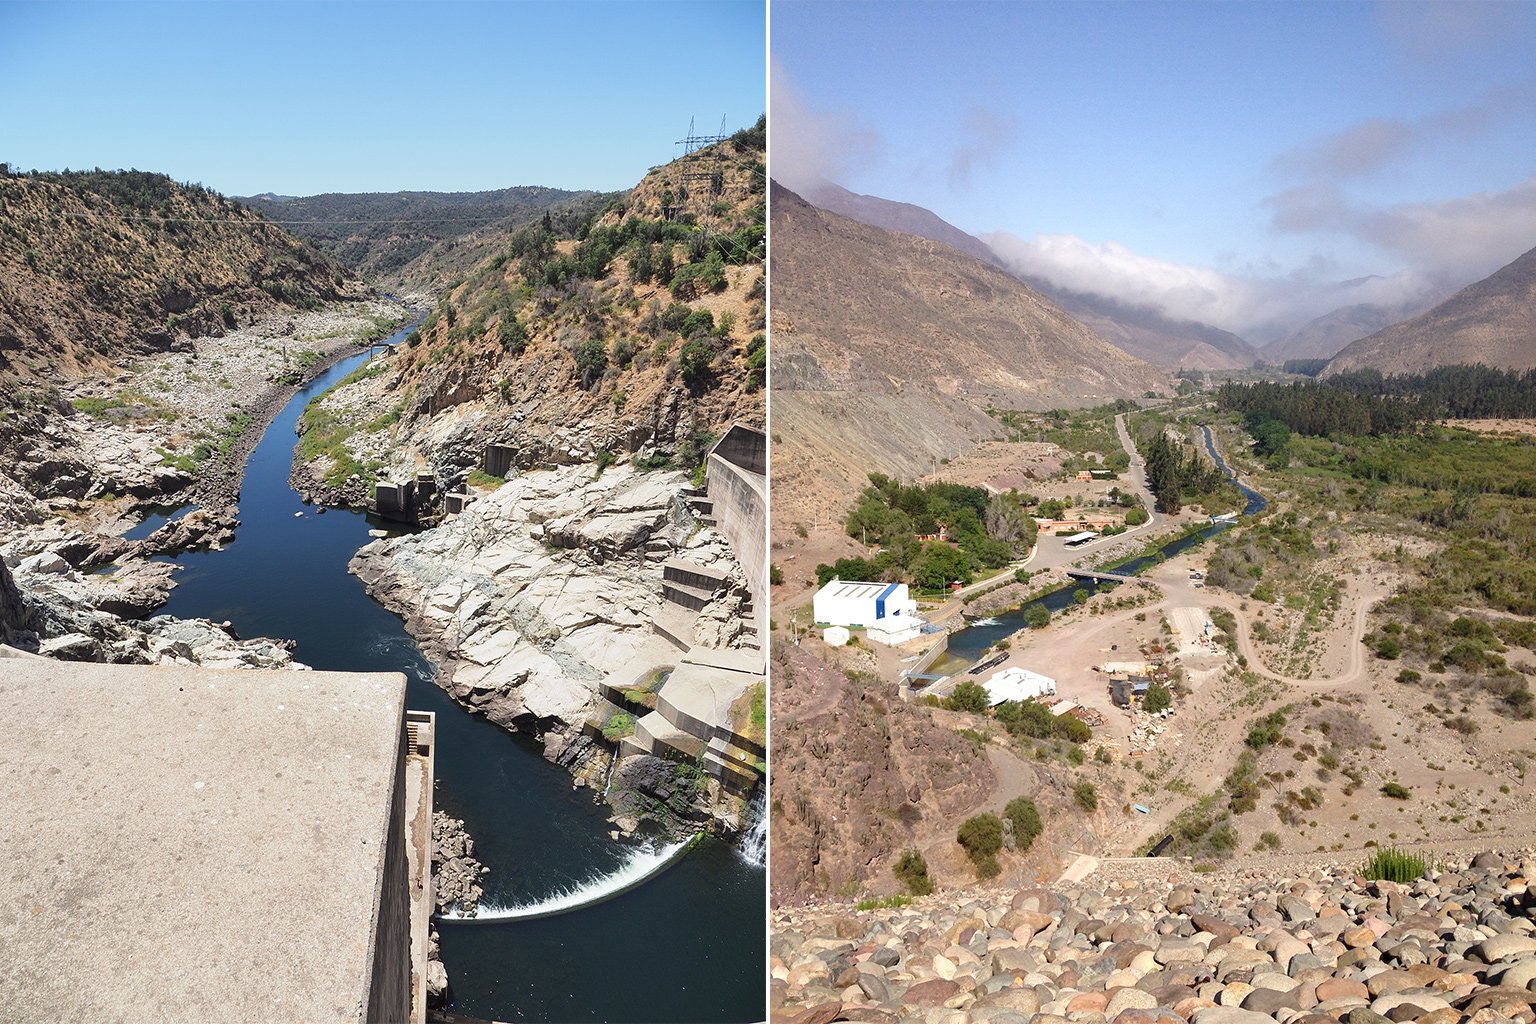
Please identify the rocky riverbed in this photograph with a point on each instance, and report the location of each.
(48, 608)
(545, 587)
(1311, 947)
(455, 871)
(182, 422)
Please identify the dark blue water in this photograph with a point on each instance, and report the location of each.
(966, 646)
(688, 945)
(157, 518)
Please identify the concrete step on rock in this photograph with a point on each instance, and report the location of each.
(675, 624)
(733, 778)
(681, 570)
(686, 595)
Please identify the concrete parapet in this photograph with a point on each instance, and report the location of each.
(186, 843)
(738, 492)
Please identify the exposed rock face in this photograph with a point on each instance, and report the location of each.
(455, 871)
(665, 794)
(1454, 948)
(894, 765)
(537, 592)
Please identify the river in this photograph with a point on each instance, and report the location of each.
(688, 944)
(967, 646)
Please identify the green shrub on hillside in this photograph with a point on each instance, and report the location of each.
(912, 870)
(1025, 818)
(969, 696)
(982, 837)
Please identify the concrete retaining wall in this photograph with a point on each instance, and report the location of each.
(740, 498)
(389, 988)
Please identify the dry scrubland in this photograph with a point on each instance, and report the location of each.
(1359, 687)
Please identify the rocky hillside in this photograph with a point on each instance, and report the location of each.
(907, 218)
(856, 776)
(889, 348)
(97, 266)
(1492, 322)
(644, 334)
(418, 241)
(1131, 946)
(1139, 330)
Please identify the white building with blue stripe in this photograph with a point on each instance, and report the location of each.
(885, 611)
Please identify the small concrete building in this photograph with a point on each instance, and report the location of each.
(886, 611)
(1018, 684)
(836, 636)
(183, 844)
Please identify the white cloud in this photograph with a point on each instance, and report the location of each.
(809, 146)
(1461, 239)
(1256, 307)
(1446, 245)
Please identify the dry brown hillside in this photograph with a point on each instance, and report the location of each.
(889, 348)
(96, 266)
(641, 330)
(1492, 322)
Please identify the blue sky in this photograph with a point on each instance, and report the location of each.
(1231, 162)
(300, 98)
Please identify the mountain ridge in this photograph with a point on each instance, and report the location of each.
(1142, 331)
(889, 348)
(1491, 321)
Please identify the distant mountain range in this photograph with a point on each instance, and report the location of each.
(1141, 331)
(1492, 321)
(1324, 336)
(416, 240)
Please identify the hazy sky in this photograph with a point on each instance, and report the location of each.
(1229, 162)
(301, 98)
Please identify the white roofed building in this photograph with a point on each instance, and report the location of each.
(1018, 684)
(886, 611)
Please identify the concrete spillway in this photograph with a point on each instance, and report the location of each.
(637, 867)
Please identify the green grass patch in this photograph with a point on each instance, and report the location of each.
(883, 902)
(480, 478)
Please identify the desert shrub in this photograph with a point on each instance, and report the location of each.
(695, 361)
(1157, 699)
(591, 361)
(1392, 865)
(1266, 730)
(1025, 818)
(968, 696)
(1085, 796)
(982, 836)
(1396, 791)
(912, 871)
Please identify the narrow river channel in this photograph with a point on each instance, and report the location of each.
(685, 945)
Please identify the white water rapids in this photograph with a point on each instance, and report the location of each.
(639, 865)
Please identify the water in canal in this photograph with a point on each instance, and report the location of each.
(687, 944)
